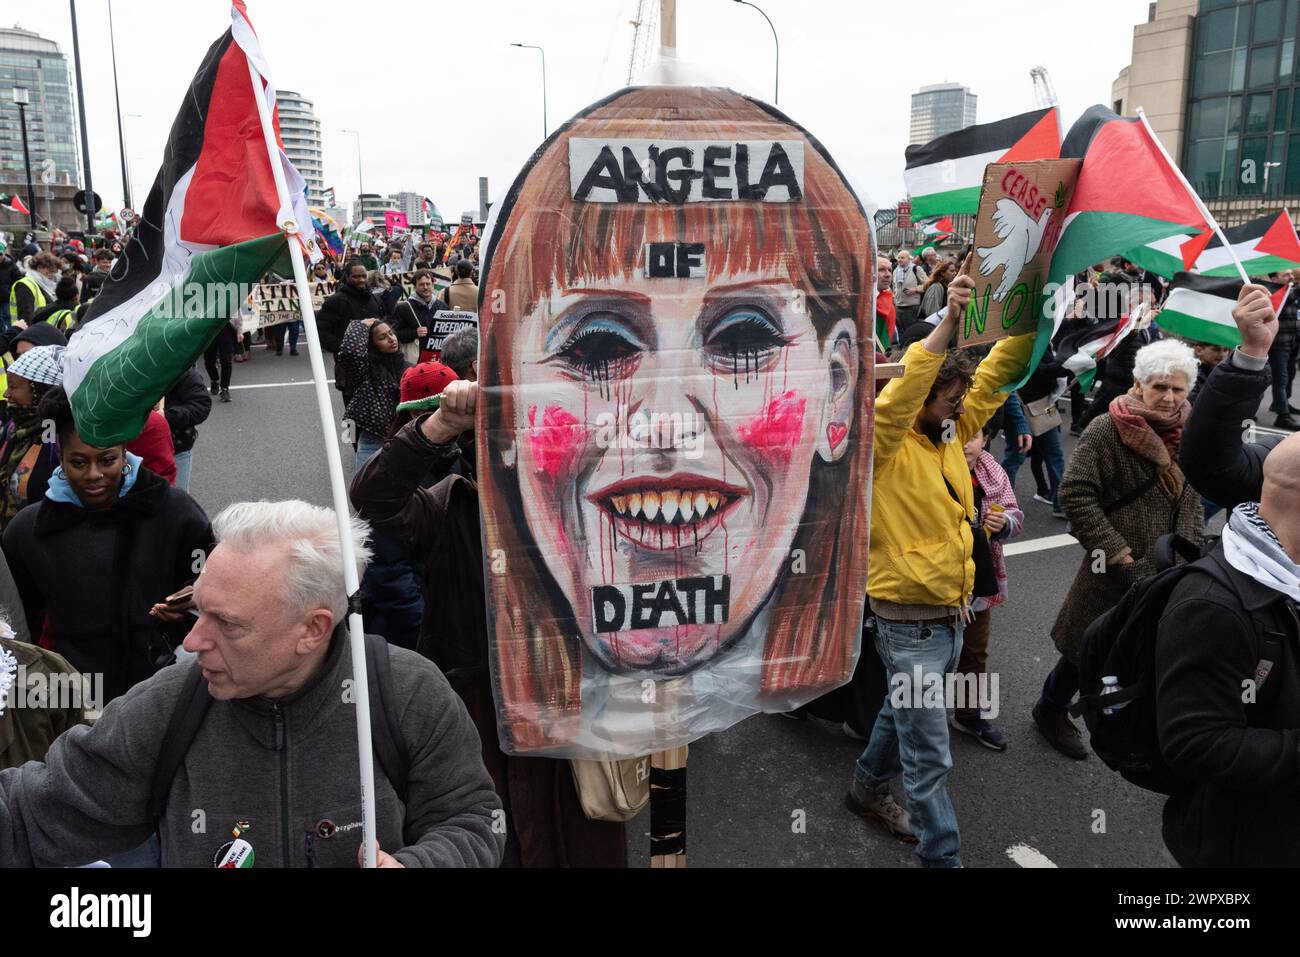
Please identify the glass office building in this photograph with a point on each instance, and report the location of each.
(37, 65)
(1243, 112)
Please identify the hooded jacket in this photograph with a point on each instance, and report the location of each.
(187, 405)
(343, 307)
(87, 578)
(286, 766)
(1244, 759)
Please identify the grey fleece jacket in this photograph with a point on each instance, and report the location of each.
(285, 766)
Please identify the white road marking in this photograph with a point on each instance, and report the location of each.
(1026, 856)
(1039, 545)
(276, 385)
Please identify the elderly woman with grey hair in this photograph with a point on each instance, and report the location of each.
(1123, 490)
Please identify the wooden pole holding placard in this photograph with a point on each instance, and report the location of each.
(668, 808)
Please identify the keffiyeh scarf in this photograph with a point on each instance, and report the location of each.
(1253, 548)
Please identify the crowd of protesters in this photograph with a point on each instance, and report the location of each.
(1159, 451)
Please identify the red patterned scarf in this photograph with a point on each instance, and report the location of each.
(1153, 435)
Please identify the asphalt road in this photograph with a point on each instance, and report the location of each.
(769, 792)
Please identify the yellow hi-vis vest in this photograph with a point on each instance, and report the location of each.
(38, 295)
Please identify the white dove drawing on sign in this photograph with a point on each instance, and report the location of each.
(1021, 236)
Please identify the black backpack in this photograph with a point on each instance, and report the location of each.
(1121, 643)
(193, 703)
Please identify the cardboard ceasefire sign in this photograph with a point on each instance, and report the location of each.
(1021, 214)
(674, 426)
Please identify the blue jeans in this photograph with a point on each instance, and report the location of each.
(1012, 458)
(913, 740)
(184, 466)
(1279, 363)
(367, 446)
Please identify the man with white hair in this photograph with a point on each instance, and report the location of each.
(259, 733)
(1228, 685)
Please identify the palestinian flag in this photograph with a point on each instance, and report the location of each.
(1264, 246)
(1080, 351)
(942, 227)
(1199, 308)
(946, 175)
(210, 228)
(10, 201)
(431, 215)
(1128, 194)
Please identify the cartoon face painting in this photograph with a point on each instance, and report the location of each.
(675, 425)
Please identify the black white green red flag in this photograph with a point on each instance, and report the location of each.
(1199, 308)
(946, 175)
(210, 228)
(1127, 195)
(1264, 246)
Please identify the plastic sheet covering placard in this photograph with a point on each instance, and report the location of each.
(674, 425)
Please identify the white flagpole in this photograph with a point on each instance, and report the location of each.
(361, 689)
(1200, 205)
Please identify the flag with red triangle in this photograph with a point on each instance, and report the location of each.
(1127, 195)
(211, 227)
(11, 201)
(947, 174)
(1264, 246)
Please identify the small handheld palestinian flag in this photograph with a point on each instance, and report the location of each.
(1264, 246)
(1199, 308)
(947, 174)
(211, 227)
(10, 201)
(1081, 350)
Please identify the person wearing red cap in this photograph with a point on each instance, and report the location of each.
(392, 595)
(439, 523)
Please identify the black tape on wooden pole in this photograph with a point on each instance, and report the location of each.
(668, 808)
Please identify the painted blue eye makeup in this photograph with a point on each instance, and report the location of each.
(743, 342)
(602, 348)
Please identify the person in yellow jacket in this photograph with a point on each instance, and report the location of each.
(35, 290)
(922, 574)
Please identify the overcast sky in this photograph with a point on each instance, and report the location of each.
(441, 98)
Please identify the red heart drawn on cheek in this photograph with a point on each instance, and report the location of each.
(836, 433)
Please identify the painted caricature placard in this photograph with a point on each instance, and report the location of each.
(674, 425)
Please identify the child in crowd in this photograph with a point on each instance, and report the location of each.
(1001, 517)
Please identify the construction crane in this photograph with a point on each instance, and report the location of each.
(1044, 92)
(647, 19)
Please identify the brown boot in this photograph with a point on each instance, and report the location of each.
(1060, 733)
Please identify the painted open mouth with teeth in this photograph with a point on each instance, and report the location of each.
(667, 513)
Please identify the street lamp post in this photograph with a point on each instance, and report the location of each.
(546, 131)
(81, 111)
(776, 95)
(1267, 168)
(21, 99)
(361, 188)
(117, 97)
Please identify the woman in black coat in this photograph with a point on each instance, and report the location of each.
(96, 559)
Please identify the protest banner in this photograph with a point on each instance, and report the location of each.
(443, 324)
(277, 302)
(394, 222)
(1021, 214)
(674, 426)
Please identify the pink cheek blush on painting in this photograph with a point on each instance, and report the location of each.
(556, 441)
(775, 433)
